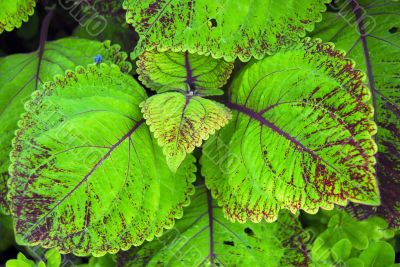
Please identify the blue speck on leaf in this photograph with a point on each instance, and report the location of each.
(98, 59)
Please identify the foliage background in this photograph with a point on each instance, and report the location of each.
(322, 226)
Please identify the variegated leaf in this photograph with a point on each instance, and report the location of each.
(170, 71)
(21, 74)
(87, 177)
(14, 12)
(203, 237)
(300, 137)
(181, 122)
(369, 32)
(222, 28)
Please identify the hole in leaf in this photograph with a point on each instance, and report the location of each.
(212, 23)
(393, 30)
(229, 243)
(249, 232)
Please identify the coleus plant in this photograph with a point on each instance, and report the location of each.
(96, 158)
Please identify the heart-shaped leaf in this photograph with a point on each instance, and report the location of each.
(170, 71)
(370, 33)
(22, 74)
(224, 28)
(203, 237)
(14, 12)
(181, 122)
(300, 137)
(86, 175)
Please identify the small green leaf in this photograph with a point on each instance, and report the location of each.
(86, 175)
(300, 137)
(203, 237)
(14, 12)
(222, 28)
(53, 258)
(379, 254)
(21, 74)
(181, 122)
(170, 71)
(341, 250)
(21, 261)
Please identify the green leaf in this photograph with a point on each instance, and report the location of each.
(86, 175)
(14, 12)
(223, 28)
(354, 262)
(170, 71)
(379, 254)
(341, 250)
(181, 122)
(203, 237)
(300, 137)
(53, 258)
(21, 261)
(369, 32)
(22, 74)
(107, 260)
(345, 236)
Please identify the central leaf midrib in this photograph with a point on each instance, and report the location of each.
(95, 167)
(253, 115)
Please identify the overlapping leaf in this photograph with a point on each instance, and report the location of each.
(170, 71)
(86, 174)
(224, 28)
(370, 33)
(14, 12)
(344, 239)
(22, 74)
(181, 122)
(203, 237)
(53, 259)
(300, 137)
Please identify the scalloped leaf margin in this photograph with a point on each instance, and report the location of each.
(223, 28)
(300, 137)
(14, 12)
(181, 122)
(115, 190)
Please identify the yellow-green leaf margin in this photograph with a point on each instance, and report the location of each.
(14, 12)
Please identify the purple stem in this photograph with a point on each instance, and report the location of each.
(43, 38)
(189, 73)
(358, 12)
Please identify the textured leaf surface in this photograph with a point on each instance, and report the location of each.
(181, 122)
(14, 12)
(300, 137)
(224, 28)
(22, 74)
(170, 71)
(86, 174)
(377, 52)
(203, 237)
